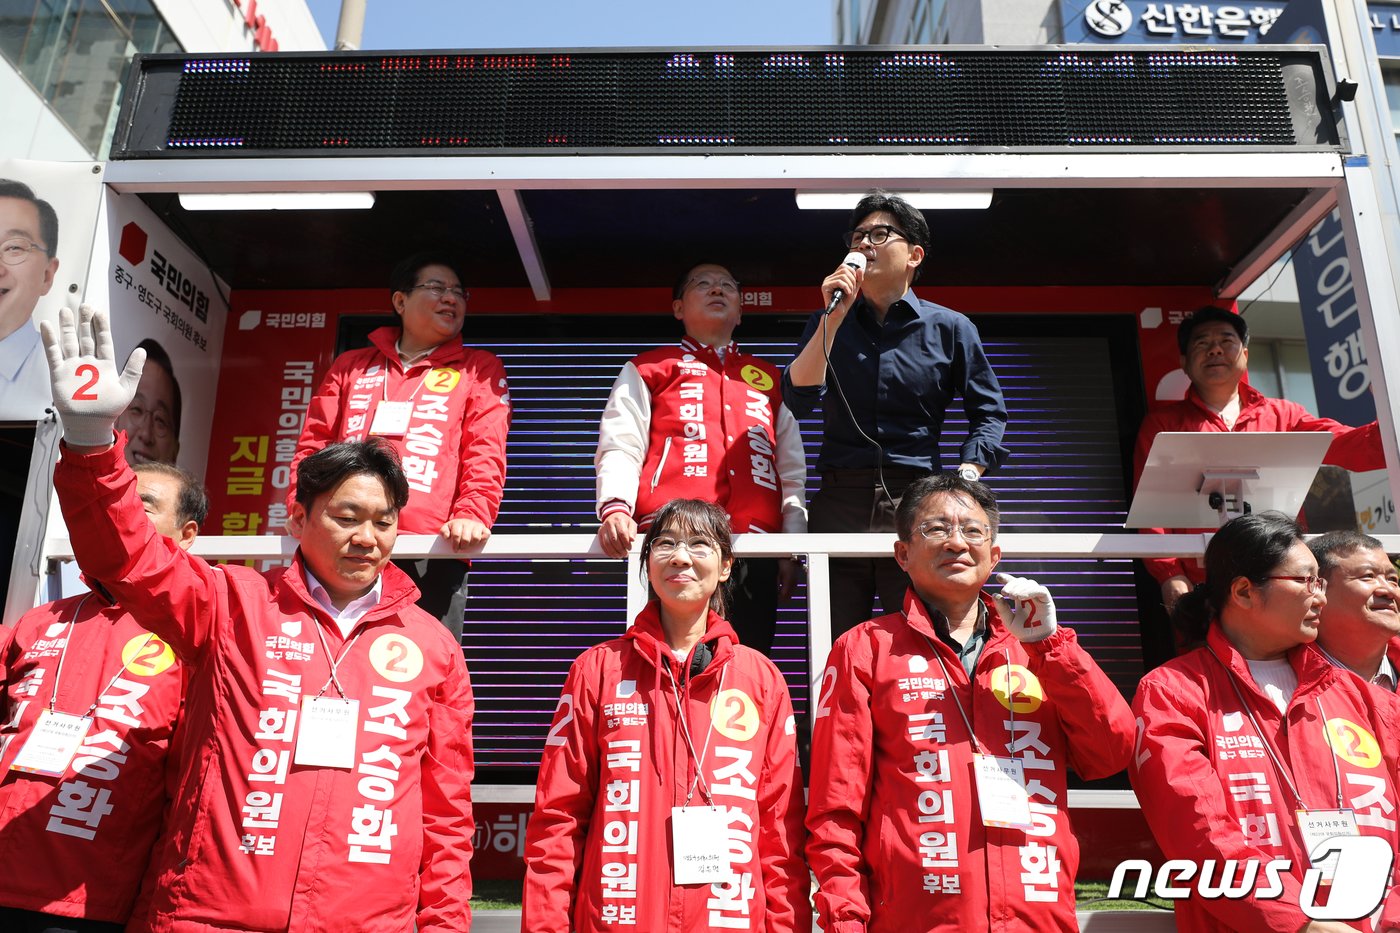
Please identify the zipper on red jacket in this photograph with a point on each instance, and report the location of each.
(661, 464)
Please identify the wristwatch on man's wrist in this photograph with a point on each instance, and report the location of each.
(969, 473)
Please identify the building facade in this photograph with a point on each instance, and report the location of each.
(62, 62)
(1292, 355)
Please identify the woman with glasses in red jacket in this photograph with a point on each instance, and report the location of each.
(669, 794)
(1253, 748)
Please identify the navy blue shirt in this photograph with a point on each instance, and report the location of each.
(899, 378)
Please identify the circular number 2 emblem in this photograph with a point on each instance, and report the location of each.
(1353, 743)
(756, 378)
(396, 658)
(147, 656)
(735, 715)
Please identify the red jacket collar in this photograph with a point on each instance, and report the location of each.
(1314, 671)
(1250, 398)
(397, 593)
(692, 346)
(650, 641)
(385, 340)
(921, 620)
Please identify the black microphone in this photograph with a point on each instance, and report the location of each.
(856, 260)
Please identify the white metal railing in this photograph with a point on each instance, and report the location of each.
(817, 548)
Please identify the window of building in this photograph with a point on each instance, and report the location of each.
(1390, 70)
(75, 53)
(1281, 369)
(848, 21)
(927, 26)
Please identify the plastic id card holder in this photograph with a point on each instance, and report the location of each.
(1317, 826)
(326, 735)
(1001, 792)
(53, 743)
(700, 843)
(391, 419)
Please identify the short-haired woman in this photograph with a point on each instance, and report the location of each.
(669, 794)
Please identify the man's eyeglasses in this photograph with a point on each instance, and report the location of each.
(1314, 584)
(666, 548)
(876, 235)
(438, 289)
(972, 533)
(17, 249)
(135, 414)
(728, 286)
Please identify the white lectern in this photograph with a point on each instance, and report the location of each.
(1202, 480)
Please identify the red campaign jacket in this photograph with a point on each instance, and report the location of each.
(896, 839)
(597, 850)
(1356, 449)
(252, 840)
(78, 845)
(454, 452)
(1210, 791)
(679, 424)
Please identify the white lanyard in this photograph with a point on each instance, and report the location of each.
(976, 746)
(334, 662)
(1327, 734)
(63, 651)
(1010, 705)
(384, 386)
(689, 744)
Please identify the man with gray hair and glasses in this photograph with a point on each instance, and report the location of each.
(704, 420)
(944, 732)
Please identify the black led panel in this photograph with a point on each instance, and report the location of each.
(864, 99)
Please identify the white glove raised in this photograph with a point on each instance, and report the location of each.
(88, 391)
(1025, 607)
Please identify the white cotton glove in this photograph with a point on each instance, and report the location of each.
(1025, 607)
(88, 391)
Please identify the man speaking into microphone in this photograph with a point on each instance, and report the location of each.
(885, 365)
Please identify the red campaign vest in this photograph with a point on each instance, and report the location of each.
(1258, 804)
(891, 736)
(78, 845)
(713, 434)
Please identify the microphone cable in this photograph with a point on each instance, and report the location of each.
(841, 394)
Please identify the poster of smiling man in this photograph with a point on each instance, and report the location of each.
(48, 211)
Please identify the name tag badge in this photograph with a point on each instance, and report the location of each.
(700, 845)
(326, 736)
(1317, 826)
(391, 419)
(1001, 792)
(53, 743)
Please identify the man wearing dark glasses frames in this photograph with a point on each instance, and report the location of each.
(884, 365)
